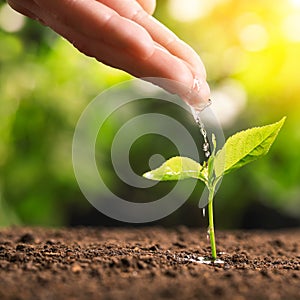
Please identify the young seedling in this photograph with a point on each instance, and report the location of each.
(239, 150)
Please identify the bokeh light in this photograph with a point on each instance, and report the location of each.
(190, 10)
(254, 37)
(10, 20)
(229, 101)
(291, 27)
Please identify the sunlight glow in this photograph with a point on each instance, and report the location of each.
(190, 10)
(295, 3)
(254, 37)
(10, 20)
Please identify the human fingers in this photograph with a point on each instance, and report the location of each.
(168, 40)
(152, 68)
(118, 57)
(97, 22)
(96, 37)
(161, 34)
(159, 63)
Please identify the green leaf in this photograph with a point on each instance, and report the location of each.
(246, 146)
(178, 168)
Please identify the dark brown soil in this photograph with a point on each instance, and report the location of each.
(147, 263)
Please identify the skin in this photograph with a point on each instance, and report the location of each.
(123, 34)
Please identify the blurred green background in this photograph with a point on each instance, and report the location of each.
(251, 53)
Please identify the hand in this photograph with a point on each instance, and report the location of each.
(124, 35)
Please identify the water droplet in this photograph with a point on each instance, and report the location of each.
(206, 261)
(205, 147)
(207, 234)
(203, 211)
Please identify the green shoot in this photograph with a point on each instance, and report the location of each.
(239, 150)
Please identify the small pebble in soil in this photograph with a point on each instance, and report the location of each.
(76, 268)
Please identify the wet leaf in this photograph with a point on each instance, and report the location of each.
(178, 168)
(245, 147)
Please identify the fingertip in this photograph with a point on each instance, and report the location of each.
(199, 95)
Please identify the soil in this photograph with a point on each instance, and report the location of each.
(147, 263)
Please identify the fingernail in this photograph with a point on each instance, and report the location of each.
(199, 95)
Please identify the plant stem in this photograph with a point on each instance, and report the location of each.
(211, 225)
